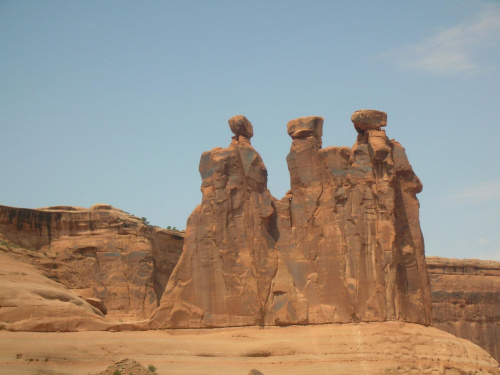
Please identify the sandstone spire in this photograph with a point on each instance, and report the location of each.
(224, 274)
(355, 252)
(343, 245)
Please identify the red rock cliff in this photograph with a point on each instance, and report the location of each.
(224, 275)
(344, 245)
(466, 300)
(354, 251)
(100, 252)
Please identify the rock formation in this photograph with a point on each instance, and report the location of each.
(101, 253)
(29, 300)
(344, 245)
(224, 275)
(466, 300)
(127, 366)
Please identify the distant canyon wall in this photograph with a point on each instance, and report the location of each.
(466, 300)
(101, 252)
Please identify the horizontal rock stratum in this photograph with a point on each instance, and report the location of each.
(101, 252)
(344, 245)
(466, 300)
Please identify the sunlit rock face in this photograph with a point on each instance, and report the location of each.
(466, 300)
(99, 253)
(224, 275)
(354, 250)
(344, 244)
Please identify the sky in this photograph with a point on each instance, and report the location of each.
(115, 101)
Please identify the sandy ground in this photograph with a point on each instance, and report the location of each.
(376, 348)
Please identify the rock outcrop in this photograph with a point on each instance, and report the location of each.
(344, 245)
(354, 250)
(127, 366)
(466, 300)
(229, 259)
(101, 252)
(28, 298)
(465, 293)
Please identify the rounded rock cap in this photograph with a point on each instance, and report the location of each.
(369, 119)
(305, 126)
(241, 126)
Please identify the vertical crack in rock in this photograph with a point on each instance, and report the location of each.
(343, 245)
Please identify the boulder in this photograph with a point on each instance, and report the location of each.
(305, 126)
(240, 125)
(98, 304)
(368, 119)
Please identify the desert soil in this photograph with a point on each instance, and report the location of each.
(375, 348)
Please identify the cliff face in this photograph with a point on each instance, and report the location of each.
(30, 301)
(344, 245)
(354, 250)
(229, 259)
(466, 300)
(101, 252)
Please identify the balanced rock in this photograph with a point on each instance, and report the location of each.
(240, 125)
(305, 126)
(368, 119)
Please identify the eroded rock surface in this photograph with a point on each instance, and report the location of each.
(466, 300)
(224, 275)
(127, 367)
(101, 252)
(368, 119)
(354, 349)
(344, 245)
(30, 301)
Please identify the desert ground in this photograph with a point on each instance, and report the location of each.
(366, 348)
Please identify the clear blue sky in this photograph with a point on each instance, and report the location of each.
(114, 101)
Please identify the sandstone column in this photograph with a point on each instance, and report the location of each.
(355, 250)
(344, 244)
(224, 275)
